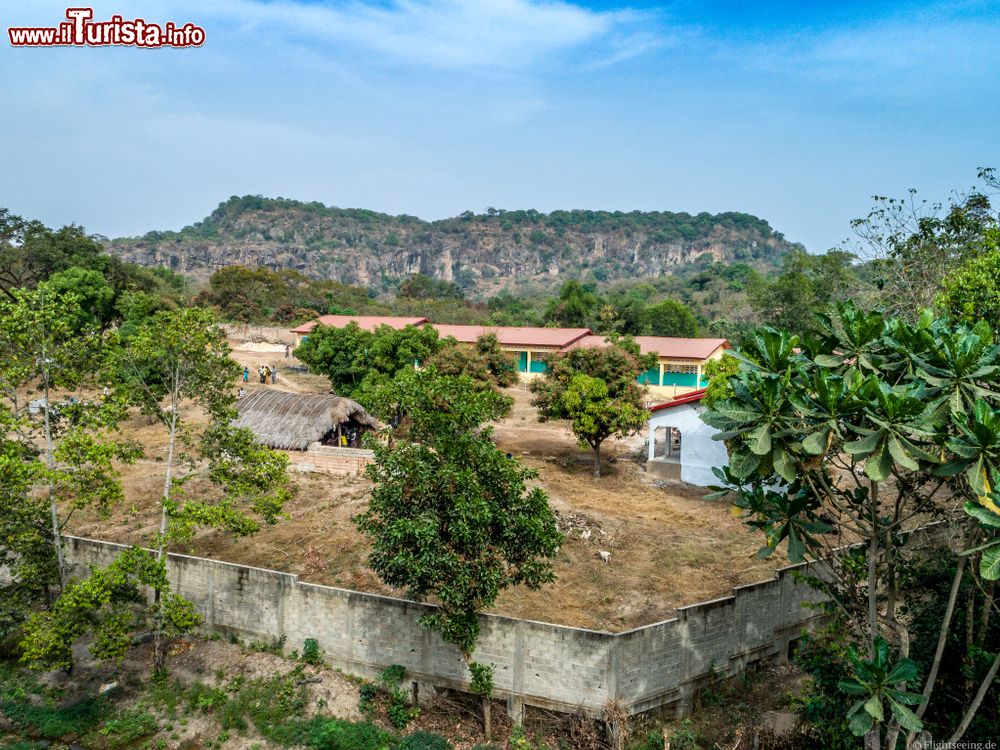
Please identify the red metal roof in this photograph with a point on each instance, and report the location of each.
(367, 322)
(553, 338)
(664, 346)
(686, 398)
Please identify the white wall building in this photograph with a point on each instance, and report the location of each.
(680, 445)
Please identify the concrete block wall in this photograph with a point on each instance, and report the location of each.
(547, 665)
(331, 460)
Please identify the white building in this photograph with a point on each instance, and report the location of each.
(680, 445)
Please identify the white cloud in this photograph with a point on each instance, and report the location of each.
(504, 34)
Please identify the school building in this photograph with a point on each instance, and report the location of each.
(680, 361)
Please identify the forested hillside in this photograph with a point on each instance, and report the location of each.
(481, 253)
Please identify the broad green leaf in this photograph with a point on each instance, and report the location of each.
(878, 467)
(984, 515)
(816, 443)
(784, 465)
(989, 563)
(759, 440)
(873, 707)
(864, 446)
(860, 723)
(906, 718)
(904, 671)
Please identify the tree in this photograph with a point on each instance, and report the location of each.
(807, 285)
(669, 318)
(95, 296)
(861, 433)
(484, 362)
(178, 358)
(574, 307)
(972, 291)
(596, 390)
(357, 361)
(108, 606)
(913, 245)
(451, 518)
(420, 286)
(68, 457)
(31, 253)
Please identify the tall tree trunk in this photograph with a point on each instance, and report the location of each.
(873, 572)
(597, 460)
(159, 657)
(50, 458)
(970, 640)
(977, 701)
(50, 463)
(956, 584)
(984, 618)
(487, 718)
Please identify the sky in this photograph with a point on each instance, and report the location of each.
(797, 112)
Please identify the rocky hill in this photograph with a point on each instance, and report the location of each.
(483, 253)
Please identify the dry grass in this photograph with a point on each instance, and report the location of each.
(668, 546)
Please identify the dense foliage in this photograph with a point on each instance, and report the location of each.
(595, 389)
(451, 518)
(859, 433)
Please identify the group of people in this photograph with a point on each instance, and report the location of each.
(267, 375)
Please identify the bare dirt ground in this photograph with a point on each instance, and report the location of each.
(668, 547)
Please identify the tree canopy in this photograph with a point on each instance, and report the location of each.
(595, 389)
(859, 433)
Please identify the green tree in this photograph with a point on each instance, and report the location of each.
(484, 362)
(859, 434)
(420, 286)
(597, 391)
(107, 606)
(914, 245)
(808, 285)
(450, 517)
(44, 353)
(95, 296)
(972, 292)
(181, 358)
(357, 361)
(669, 318)
(575, 306)
(719, 371)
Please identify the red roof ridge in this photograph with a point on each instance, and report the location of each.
(684, 398)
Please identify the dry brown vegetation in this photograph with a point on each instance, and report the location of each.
(668, 546)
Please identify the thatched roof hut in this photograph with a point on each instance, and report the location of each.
(291, 421)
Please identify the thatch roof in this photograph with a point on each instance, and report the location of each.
(291, 421)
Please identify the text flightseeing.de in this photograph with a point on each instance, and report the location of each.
(80, 30)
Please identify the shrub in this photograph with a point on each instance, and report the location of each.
(331, 734)
(424, 741)
(128, 727)
(311, 653)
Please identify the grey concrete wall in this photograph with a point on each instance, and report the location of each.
(535, 663)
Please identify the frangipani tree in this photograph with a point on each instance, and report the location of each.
(858, 435)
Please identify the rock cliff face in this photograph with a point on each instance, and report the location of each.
(482, 252)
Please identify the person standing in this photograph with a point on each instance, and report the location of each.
(260, 373)
(246, 374)
(274, 375)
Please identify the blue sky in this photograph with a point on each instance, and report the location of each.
(797, 112)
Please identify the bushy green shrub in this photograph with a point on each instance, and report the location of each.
(52, 723)
(311, 653)
(126, 728)
(331, 734)
(424, 741)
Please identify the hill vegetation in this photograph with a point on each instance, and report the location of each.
(480, 253)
